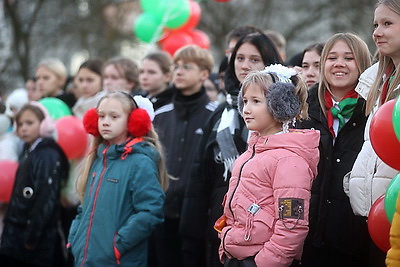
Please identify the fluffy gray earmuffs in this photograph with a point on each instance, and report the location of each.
(282, 102)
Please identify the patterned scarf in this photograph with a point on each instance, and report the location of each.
(344, 110)
(226, 128)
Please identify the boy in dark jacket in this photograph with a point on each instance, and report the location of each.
(180, 128)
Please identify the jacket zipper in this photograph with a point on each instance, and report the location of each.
(94, 206)
(223, 243)
(238, 181)
(233, 193)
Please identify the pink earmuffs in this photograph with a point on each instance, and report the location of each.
(47, 126)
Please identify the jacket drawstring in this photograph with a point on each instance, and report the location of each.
(129, 145)
(249, 226)
(253, 209)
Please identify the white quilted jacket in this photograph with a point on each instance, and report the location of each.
(370, 176)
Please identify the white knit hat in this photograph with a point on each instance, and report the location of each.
(145, 104)
(16, 100)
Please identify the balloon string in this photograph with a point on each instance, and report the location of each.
(160, 28)
(164, 20)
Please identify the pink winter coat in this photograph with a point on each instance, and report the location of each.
(266, 206)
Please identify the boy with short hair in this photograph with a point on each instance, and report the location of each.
(179, 126)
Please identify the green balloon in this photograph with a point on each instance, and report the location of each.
(396, 118)
(147, 28)
(177, 15)
(391, 195)
(55, 107)
(171, 13)
(150, 6)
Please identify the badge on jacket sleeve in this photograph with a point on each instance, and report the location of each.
(291, 208)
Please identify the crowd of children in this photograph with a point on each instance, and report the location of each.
(264, 163)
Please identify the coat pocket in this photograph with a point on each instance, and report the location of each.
(253, 226)
(258, 222)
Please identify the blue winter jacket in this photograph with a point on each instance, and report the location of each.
(122, 205)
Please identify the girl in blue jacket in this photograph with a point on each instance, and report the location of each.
(121, 186)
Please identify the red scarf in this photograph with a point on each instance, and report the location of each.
(329, 105)
(388, 81)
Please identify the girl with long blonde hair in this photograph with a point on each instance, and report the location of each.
(121, 186)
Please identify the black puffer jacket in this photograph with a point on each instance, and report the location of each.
(32, 215)
(332, 221)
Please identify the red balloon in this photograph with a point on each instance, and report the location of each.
(378, 225)
(383, 137)
(200, 38)
(71, 136)
(175, 40)
(194, 17)
(8, 169)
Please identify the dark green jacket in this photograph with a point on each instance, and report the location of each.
(122, 205)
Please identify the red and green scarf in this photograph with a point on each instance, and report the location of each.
(346, 108)
(385, 88)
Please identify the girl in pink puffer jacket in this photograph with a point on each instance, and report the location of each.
(265, 218)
